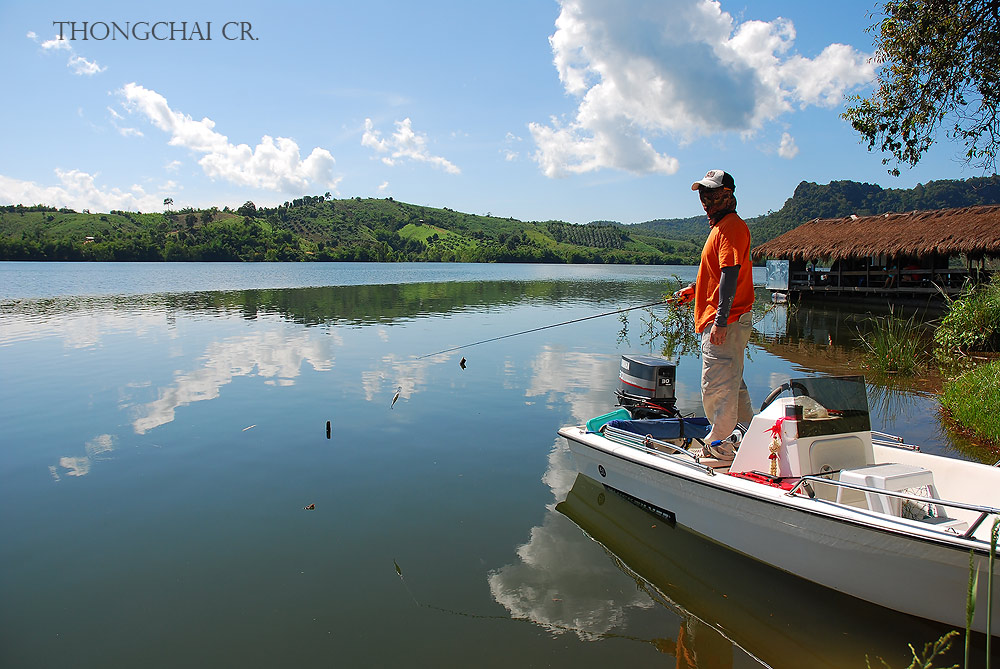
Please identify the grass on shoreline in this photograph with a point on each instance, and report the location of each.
(895, 346)
(972, 400)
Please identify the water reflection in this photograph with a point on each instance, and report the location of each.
(95, 450)
(825, 339)
(630, 575)
(554, 583)
(812, 339)
(82, 325)
(723, 599)
(568, 376)
(139, 406)
(83, 321)
(394, 373)
(276, 356)
(552, 586)
(817, 341)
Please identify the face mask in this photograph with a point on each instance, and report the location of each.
(717, 202)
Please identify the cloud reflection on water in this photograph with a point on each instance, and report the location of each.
(95, 449)
(77, 330)
(273, 355)
(561, 580)
(392, 372)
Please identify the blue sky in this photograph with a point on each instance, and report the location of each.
(576, 110)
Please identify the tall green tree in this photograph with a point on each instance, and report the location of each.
(248, 209)
(940, 69)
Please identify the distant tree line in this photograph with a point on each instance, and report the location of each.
(320, 228)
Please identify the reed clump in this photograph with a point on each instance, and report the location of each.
(895, 346)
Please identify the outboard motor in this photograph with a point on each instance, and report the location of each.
(647, 386)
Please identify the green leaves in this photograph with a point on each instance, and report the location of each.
(940, 71)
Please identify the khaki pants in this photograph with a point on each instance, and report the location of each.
(723, 392)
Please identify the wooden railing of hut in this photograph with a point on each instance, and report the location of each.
(901, 281)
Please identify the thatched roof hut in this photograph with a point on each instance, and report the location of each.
(970, 231)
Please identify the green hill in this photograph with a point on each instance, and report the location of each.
(384, 230)
(694, 228)
(325, 229)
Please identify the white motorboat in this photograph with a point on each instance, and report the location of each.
(811, 490)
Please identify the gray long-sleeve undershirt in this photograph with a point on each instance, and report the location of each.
(727, 292)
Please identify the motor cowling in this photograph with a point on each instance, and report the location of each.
(647, 386)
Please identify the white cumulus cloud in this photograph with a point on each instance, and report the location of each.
(78, 190)
(788, 149)
(644, 69)
(404, 144)
(56, 43)
(81, 65)
(78, 64)
(275, 163)
(510, 141)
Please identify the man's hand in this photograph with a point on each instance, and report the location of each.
(684, 295)
(718, 334)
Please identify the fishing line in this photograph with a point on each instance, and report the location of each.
(546, 327)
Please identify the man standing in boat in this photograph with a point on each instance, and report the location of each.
(723, 299)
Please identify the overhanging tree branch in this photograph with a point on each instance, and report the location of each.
(940, 71)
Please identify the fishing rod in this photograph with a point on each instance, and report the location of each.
(553, 325)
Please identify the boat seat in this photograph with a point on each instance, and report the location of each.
(665, 428)
(898, 478)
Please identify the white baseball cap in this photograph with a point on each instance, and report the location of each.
(716, 179)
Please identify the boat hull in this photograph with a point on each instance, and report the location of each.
(925, 576)
(780, 619)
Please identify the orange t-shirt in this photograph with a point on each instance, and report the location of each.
(728, 244)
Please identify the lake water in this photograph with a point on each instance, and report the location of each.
(165, 430)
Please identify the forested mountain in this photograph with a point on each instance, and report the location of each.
(839, 199)
(383, 230)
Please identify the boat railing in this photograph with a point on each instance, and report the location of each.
(983, 511)
(648, 444)
(885, 439)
